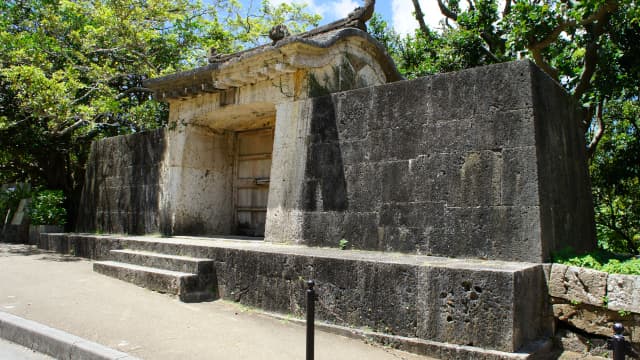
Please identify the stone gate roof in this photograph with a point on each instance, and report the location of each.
(306, 50)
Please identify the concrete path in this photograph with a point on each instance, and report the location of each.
(9, 350)
(64, 293)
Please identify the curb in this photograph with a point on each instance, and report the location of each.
(54, 342)
(537, 350)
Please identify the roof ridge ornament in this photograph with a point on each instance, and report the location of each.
(278, 33)
(356, 19)
(214, 56)
(360, 15)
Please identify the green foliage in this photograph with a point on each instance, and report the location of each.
(423, 54)
(47, 208)
(250, 27)
(343, 243)
(600, 260)
(615, 177)
(624, 313)
(73, 71)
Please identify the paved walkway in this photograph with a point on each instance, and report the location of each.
(9, 350)
(64, 293)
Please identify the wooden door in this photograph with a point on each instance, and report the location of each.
(253, 166)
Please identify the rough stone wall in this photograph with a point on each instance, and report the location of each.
(592, 301)
(121, 188)
(465, 164)
(566, 212)
(484, 304)
(196, 182)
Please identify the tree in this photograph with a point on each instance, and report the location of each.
(250, 25)
(72, 72)
(590, 47)
(615, 177)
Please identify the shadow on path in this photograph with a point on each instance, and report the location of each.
(7, 249)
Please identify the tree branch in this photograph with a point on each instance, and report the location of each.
(110, 50)
(606, 9)
(591, 148)
(507, 8)
(71, 128)
(420, 17)
(17, 123)
(544, 65)
(596, 21)
(471, 6)
(590, 61)
(84, 96)
(145, 58)
(552, 36)
(123, 94)
(446, 11)
(596, 28)
(490, 54)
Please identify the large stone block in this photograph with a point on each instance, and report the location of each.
(485, 305)
(578, 285)
(498, 146)
(465, 307)
(597, 320)
(623, 292)
(486, 309)
(121, 189)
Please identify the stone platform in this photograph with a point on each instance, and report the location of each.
(449, 308)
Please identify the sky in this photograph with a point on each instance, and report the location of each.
(397, 13)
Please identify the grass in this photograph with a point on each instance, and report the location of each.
(600, 260)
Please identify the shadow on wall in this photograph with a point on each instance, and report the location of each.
(121, 188)
(325, 188)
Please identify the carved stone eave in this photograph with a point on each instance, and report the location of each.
(270, 62)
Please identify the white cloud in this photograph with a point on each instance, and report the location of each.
(403, 20)
(342, 8)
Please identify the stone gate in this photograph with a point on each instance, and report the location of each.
(422, 208)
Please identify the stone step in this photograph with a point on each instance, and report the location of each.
(187, 286)
(163, 261)
(442, 307)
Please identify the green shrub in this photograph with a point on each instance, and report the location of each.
(600, 260)
(47, 208)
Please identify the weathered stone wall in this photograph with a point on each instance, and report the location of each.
(481, 304)
(479, 163)
(592, 301)
(121, 188)
(197, 182)
(564, 187)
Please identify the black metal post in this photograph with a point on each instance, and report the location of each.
(621, 348)
(617, 342)
(311, 298)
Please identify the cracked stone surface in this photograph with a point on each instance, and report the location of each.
(579, 285)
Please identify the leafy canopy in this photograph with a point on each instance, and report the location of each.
(72, 71)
